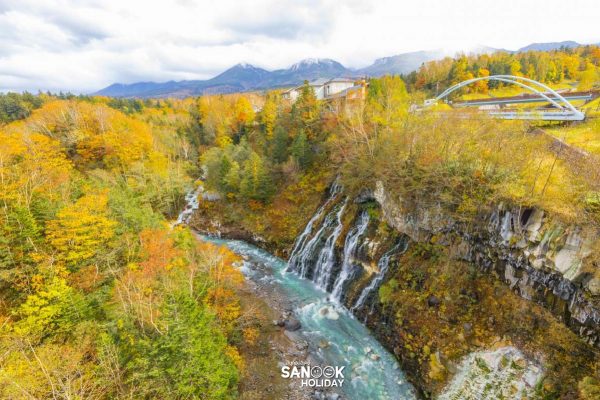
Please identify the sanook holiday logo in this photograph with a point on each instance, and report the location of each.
(315, 375)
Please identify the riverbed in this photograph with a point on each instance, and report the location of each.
(333, 335)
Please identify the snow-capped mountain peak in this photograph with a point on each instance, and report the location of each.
(245, 65)
(309, 62)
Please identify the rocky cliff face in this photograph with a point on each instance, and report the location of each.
(539, 258)
(435, 290)
(407, 271)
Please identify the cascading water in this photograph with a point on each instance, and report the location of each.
(306, 254)
(335, 336)
(326, 260)
(301, 241)
(349, 252)
(372, 372)
(383, 264)
(305, 257)
(191, 204)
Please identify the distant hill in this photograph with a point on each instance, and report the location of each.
(549, 46)
(308, 69)
(139, 89)
(241, 75)
(239, 78)
(244, 77)
(407, 62)
(401, 63)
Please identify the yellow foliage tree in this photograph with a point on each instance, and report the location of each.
(588, 78)
(49, 371)
(97, 133)
(81, 230)
(31, 165)
(515, 68)
(45, 310)
(387, 104)
(482, 86)
(268, 115)
(216, 113)
(121, 142)
(243, 113)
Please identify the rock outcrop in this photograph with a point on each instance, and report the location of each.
(540, 258)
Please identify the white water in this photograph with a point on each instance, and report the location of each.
(302, 266)
(349, 252)
(326, 260)
(383, 264)
(191, 204)
(301, 241)
(371, 372)
(506, 228)
(331, 220)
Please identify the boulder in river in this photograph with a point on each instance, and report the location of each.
(292, 324)
(302, 345)
(329, 312)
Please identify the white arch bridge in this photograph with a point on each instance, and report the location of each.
(561, 109)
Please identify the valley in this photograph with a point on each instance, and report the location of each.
(165, 247)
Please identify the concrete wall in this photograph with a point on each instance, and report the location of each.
(335, 87)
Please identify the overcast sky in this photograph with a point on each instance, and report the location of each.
(84, 45)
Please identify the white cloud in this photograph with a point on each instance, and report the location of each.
(83, 45)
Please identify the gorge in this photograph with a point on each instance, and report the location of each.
(350, 250)
(418, 253)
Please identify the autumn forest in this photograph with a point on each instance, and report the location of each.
(103, 296)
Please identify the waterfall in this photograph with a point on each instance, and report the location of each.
(349, 250)
(371, 372)
(301, 240)
(332, 219)
(506, 229)
(326, 259)
(191, 204)
(318, 250)
(383, 264)
(303, 247)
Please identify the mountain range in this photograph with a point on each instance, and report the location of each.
(549, 46)
(239, 78)
(245, 77)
